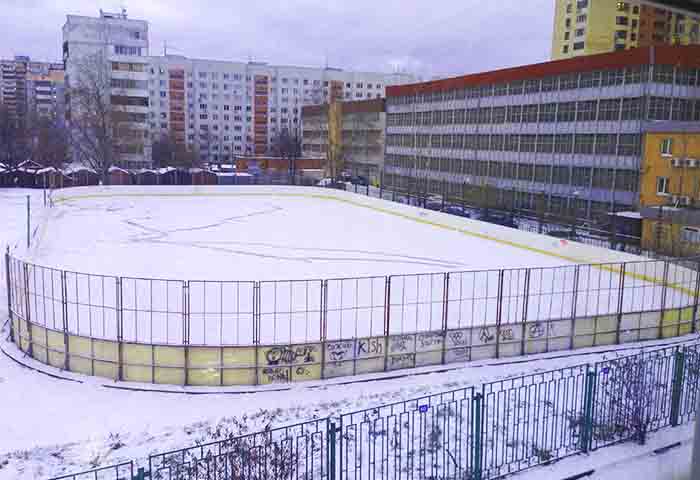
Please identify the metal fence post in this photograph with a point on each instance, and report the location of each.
(387, 320)
(574, 306)
(477, 436)
(9, 294)
(677, 387)
(64, 317)
(330, 460)
(664, 292)
(186, 329)
(256, 327)
(120, 328)
(499, 312)
(694, 326)
(140, 474)
(620, 300)
(28, 314)
(526, 302)
(588, 403)
(445, 313)
(324, 325)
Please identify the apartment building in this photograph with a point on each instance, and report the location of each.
(589, 27)
(224, 109)
(670, 189)
(358, 128)
(119, 45)
(31, 90)
(568, 134)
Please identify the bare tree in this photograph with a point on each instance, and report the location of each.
(169, 153)
(100, 129)
(49, 142)
(287, 144)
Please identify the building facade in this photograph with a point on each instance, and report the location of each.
(117, 45)
(588, 27)
(670, 189)
(359, 129)
(226, 109)
(31, 90)
(565, 136)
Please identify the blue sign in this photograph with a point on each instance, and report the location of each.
(423, 408)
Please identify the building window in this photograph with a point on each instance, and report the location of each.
(667, 147)
(579, 45)
(662, 184)
(690, 235)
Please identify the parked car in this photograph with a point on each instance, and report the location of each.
(359, 181)
(456, 210)
(502, 219)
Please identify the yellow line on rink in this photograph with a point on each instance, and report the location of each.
(464, 231)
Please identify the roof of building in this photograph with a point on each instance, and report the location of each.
(688, 5)
(687, 55)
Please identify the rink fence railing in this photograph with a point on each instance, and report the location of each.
(482, 432)
(260, 332)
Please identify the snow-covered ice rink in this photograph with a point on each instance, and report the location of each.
(321, 258)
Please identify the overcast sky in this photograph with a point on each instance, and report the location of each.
(425, 37)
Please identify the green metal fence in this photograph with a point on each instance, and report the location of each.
(476, 433)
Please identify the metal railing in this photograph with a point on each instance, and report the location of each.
(478, 432)
(224, 333)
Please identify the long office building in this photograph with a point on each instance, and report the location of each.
(589, 27)
(567, 133)
(223, 108)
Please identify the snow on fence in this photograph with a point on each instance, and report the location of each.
(233, 333)
(480, 433)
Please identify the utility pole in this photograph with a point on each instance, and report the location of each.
(29, 226)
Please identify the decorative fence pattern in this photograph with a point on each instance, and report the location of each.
(242, 333)
(479, 433)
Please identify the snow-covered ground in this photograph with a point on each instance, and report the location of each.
(301, 236)
(49, 425)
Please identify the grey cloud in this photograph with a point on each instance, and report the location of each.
(429, 38)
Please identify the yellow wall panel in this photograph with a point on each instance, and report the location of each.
(605, 339)
(105, 350)
(482, 353)
(281, 355)
(239, 356)
(306, 373)
(56, 341)
(559, 344)
(650, 320)
(686, 328)
(510, 349)
(106, 369)
(369, 365)
(79, 346)
(629, 336)
(57, 359)
(584, 326)
(169, 356)
(137, 354)
(204, 376)
(583, 341)
(80, 365)
(204, 357)
(669, 331)
(40, 353)
(424, 359)
(606, 324)
(670, 317)
(269, 375)
(239, 376)
(38, 335)
(687, 314)
(535, 346)
(649, 333)
(630, 321)
(169, 376)
(140, 374)
(339, 369)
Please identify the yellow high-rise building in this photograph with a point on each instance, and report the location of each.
(588, 27)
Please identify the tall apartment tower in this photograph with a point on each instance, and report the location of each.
(588, 27)
(31, 90)
(120, 45)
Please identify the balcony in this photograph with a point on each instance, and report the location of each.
(681, 215)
